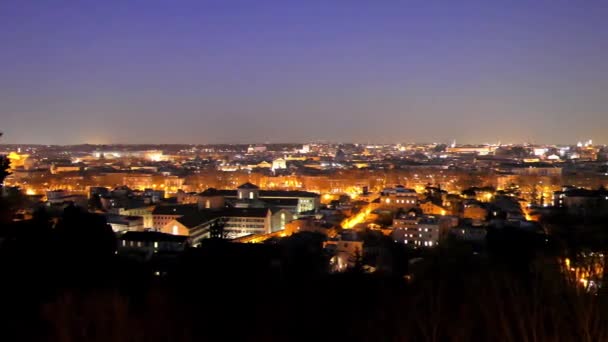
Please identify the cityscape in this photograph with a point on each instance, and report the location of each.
(375, 210)
(303, 171)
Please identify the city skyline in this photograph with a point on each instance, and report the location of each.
(240, 72)
(585, 142)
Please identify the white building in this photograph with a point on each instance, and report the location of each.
(279, 164)
(423, 231)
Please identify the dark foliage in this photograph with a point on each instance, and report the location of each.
(63, 282)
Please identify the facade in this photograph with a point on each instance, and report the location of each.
(249, 195)
(236, 222)
(422, 231)
(475, 212)
(279, 219)
(399, 198)
(346, 248)
(163, 214)
(212, 199)
(582, 202)
(538, 169)
(121, 223)
(60, 168)
(143, 246)
(242, 222)
(279, 164)
(430, 208)
(144, 212)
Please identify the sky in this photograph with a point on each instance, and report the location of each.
(226, 71)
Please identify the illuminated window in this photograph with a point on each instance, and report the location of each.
(208, 204)
(175, 230)
(251, 195)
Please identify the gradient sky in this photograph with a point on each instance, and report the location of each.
(291, 71)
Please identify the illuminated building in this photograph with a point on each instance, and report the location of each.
(537, 169)
(120, 223)
(279, 164)
(138, 181)
(250, 195)
(430, 208)
(155, 156)
(479, 150)
(60, 168)
(346, 248)
(421, 231)
(163, 214)
(236, 222)
(475, 211)
(399, 198)
(256, 149)
(17, 160)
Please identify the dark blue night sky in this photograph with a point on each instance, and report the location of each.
(293, 71)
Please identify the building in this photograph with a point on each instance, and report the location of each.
(60, 197)
(240, 222)
(469, 233)
(256, 149)
(582, 202)
(163, 214)
(187, 197)
(121, 223)
(98, 191)
(422, 231)
(248, 191)
(475, 211)
(478, 150)
(235, 223)
(347, 249)
(138, 181)
(61, 168)
(280, 218)
(145, 212)
(537, 169)
(279, 164)
(399, 198)
(213, 199)
(429, 207)
(143, 246)
(250, 195)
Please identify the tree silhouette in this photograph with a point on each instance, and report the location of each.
(357, 260)
(4, 166)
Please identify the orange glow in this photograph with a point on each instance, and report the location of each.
(353, 221)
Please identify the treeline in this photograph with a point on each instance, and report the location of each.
(62, 281)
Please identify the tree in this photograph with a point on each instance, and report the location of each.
(4, 166)
(356, 260)
(440, 148)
